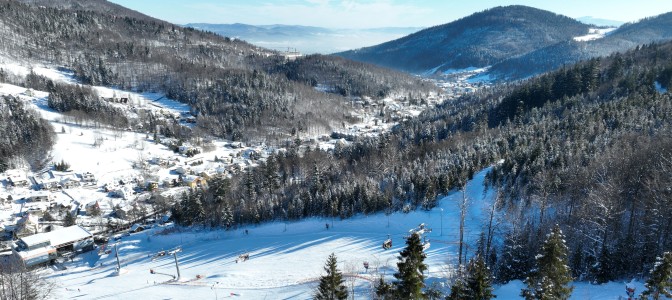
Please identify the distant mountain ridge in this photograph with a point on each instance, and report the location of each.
(479, 40)
(600, 22)
(306, 39)
(628, 36)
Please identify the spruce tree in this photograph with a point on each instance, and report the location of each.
(411, 267)
(660, 282)
(604, 271)
(479, 280)
(331, 285)
(551, 278)
(514, 262)
(384, 290)
(458, 291)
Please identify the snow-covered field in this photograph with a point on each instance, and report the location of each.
(594, 34)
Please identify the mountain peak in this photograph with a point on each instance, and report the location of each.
(478, 40)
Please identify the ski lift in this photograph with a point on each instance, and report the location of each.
(387, 244)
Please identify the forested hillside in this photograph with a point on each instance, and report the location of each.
(234, 88)
(585, 147)
(479, 40)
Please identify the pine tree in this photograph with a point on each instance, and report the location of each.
(227, 216)
(604, 271)
(384, 290)
(514, 262)
(411, 267)
(660, 282)
(479, 280)
(331, 285)
(458, 291)
(551, 278)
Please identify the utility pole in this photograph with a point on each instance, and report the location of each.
(116, 254)
(441, 221)
(177, 266)
(463, 213)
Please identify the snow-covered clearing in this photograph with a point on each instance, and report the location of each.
(594, 34)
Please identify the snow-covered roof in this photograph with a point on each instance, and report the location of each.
(59, 237)
(16, 175)
(28, 254)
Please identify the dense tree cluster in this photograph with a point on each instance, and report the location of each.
(24, 136)
(84, 102)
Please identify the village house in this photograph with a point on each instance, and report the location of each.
(195, 182)
(182, 170)
(92, 207)
(123, 192)
(88, 177)
(186, 149)
(27, 225)
(17, 178)
(40, 196)
(48, 184)
(69, 182)
(152, 185)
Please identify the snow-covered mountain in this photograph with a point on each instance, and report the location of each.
(514, 41)
(479, 40)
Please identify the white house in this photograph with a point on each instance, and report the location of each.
(40, 196)
(182, 170)
(88, 177)
(68, 182)
(17, 178)
(123, 192)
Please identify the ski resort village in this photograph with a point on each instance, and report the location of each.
(510, 152)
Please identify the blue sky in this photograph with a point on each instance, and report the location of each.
(375, 13)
